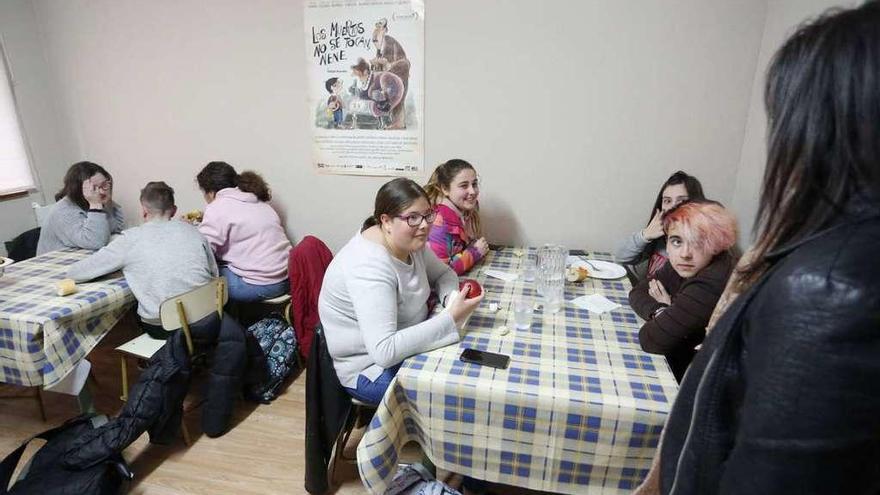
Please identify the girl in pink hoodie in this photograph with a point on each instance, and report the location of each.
(245, 232)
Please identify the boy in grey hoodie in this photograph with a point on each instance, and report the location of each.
(160, 259)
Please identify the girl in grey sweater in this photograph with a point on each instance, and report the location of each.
(85, 215)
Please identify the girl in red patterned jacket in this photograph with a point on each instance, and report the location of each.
(455, 237)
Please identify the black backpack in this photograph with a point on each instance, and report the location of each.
(47, 475)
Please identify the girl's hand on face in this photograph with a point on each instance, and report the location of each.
(654, 230)
(92, 195)
(658, 292)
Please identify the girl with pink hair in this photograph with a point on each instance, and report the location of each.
(678, 300)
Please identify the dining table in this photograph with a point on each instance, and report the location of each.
(579, 408)
(43, 335)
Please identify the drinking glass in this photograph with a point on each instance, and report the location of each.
(529, 268)
(522, 313)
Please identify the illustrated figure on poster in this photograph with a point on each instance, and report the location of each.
(390, 57)
(382, 90)
(334, 102)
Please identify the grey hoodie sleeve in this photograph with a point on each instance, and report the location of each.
(109, 259)
(631, 248)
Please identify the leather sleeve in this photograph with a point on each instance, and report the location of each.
(810, 416)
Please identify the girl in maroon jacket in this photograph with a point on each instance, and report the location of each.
(677, 302)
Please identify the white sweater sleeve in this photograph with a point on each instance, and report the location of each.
(373, 291)
(441, 277)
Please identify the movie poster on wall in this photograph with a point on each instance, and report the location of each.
(366, 85)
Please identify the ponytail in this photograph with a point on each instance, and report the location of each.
(252, 182)
(433, 188)
(369, 222)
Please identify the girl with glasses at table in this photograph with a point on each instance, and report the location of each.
(645, 250)
(678, 300)
(374, 300)
(454, 190)
(85, 215)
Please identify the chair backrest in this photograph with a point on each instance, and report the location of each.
(195, 304)
(41, 212)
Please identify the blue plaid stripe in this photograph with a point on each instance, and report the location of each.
(645, 435)
(585, 428)
(581, 356)
(651, 391)
(527, 376)
(630, 478)
(516, 464)
(460, 455)
(638, 362)
(520, 418)
(575, 472)
(529, 349)
(459, 409)
(578, 383)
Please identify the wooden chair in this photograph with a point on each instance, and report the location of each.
(176, 313)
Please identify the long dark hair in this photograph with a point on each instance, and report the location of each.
(221, 175)
(695, 193)
(823, 109)
(73, 182)
(393, 198)
(691, 185)
(442, 177)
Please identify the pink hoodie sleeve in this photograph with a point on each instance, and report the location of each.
(215, 231)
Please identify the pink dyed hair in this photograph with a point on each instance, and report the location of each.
(707, 225)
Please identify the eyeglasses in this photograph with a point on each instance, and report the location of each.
(415, 219)
(105, 186)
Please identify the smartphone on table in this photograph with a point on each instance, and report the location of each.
(484, 358)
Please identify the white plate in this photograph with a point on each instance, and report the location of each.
(604, 270)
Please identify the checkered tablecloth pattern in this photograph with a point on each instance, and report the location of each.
(42, 335)
(579, 409)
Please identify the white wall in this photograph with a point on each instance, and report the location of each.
(572, 111)
(24, 47)
(783, 17)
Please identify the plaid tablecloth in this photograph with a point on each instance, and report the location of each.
(43, 336)
(579, 409)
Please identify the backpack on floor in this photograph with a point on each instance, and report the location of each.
(47, 475)
(416, 480)
(278, 343)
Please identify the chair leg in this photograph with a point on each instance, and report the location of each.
(39, 398)
(124, 396)
(341, 440)
(183, 430)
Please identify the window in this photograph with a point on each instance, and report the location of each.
(15, 170)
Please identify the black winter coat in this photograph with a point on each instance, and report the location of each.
(784, 396)
(155, 403)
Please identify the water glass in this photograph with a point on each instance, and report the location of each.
(553, 298)
(528, 268)
(522, 313)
